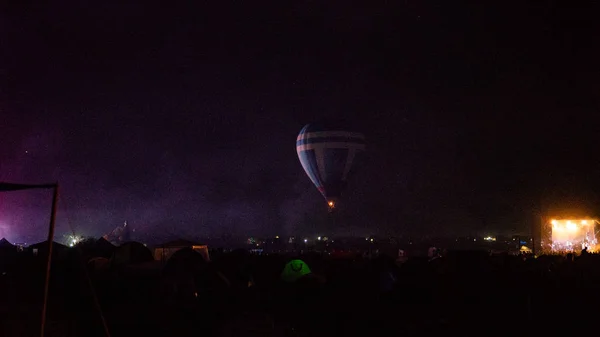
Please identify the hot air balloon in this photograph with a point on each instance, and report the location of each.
(328, 156)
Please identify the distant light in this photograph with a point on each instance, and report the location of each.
(305, 240)
(319, 238)
(371, 240)
(276, 236)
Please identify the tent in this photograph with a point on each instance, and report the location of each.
(41, 249)
(294, 270)
(130, 253)
(7, 253)
(98, 263)
(165, 251)
(184, 261)
(103, 248)
(5, 245)
(91, 248)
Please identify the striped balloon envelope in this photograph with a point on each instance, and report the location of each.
(328, 156)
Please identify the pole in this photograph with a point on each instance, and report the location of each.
(49, 260)
(96, 303)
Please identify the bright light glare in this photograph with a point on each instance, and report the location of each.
(569, 235)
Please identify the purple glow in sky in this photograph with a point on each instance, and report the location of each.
(182, 119)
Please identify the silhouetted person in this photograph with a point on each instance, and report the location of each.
(569, 257)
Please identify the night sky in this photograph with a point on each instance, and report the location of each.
(183, 119)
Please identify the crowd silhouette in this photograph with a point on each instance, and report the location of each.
(239, 294)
